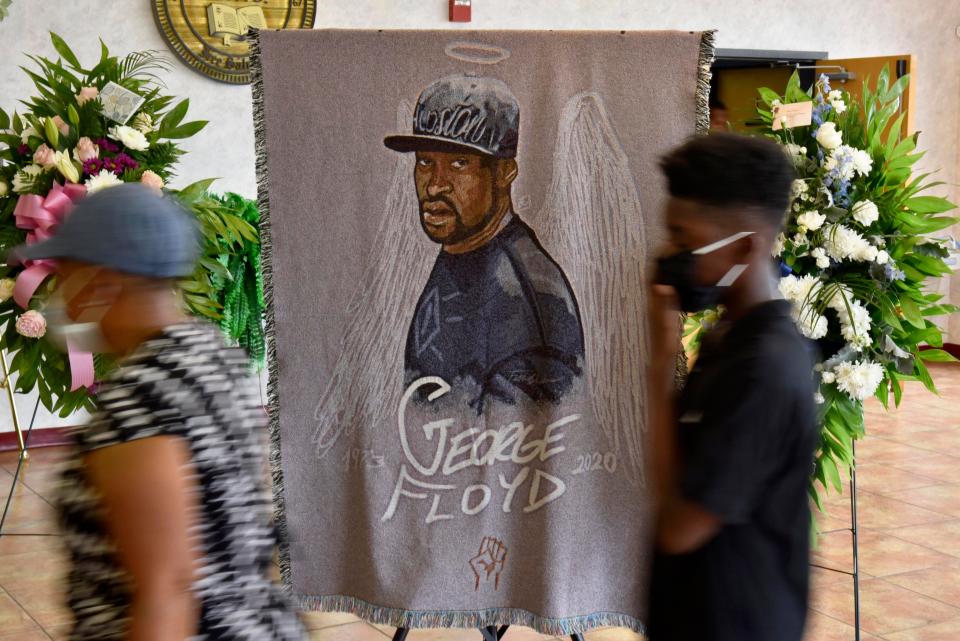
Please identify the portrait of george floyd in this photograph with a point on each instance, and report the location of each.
(497, 313)
(457, 234)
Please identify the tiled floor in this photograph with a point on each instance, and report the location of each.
(909, 514)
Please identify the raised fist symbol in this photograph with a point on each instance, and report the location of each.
(488, 563)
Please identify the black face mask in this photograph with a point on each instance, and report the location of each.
(679, 271)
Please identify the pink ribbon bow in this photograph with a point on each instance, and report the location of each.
(40, 215)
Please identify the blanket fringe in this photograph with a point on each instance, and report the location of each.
(266, 261)
(704, 74)
(399, 618)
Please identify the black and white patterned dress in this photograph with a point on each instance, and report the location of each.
(184, 383)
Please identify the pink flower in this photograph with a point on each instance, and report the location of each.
(86, 94)
(151, 180)
(87, 150)
(31, 324)
(44, 156)
(61, 125)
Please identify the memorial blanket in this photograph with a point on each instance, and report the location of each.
(456, 231)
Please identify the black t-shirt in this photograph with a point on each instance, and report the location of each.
(747, 433)
(501, 319)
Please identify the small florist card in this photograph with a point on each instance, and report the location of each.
(119, 103)
(793, 114)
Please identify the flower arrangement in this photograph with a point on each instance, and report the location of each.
(68, 143)
(855, 255)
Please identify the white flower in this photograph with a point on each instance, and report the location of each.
(798, 189)
(798, 289)
(143, 123)
(865, 212)
(6, 289)
(130, 137)
(821, 255)
(795, 151)
(102, 180)
(854, 318)
(819, 399)
(811, 324)
(27, 132)
(777, 248)
(23, 179)
(800, 239)
(775, 103)
(882, 257)
(835, 98)
(4, 188)
(844, 243)
(811, 220)
(839, 106)
(848, 161)
(841, 161)
(801, 292)
(862, 162)
(828, 377)
(859, 380)
(828, 136)
(789, 287)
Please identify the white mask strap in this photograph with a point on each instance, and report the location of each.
(712, 247)
(732, 275)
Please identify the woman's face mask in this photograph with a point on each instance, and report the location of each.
(93, 302)
(679, 270)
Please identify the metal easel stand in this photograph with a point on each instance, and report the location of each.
(13, 406)
(490, 633)
(25, 441)
(856, 543)
(855, 574)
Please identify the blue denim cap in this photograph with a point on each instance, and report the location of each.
(128, 228)
(465, 112)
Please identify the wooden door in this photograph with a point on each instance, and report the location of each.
(867, 69)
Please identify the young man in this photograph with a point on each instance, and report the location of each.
(733, 451)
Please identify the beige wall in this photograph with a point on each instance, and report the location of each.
(844, 28)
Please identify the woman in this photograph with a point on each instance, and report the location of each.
(166, 523)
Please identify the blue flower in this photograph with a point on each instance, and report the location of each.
(825, 82)
(785, 269)
(892, 273)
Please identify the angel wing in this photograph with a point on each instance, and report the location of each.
(591, 223)
(371, 356)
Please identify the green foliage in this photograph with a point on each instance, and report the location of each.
(226, 288)
(240, 285)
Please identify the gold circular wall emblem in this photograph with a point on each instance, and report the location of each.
(210, 36)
